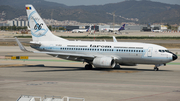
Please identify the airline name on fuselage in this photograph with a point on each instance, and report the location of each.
(100, 46)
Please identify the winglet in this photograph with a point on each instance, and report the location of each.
(20, 45)
(114, 39)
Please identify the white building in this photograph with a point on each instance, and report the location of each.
(17, 23)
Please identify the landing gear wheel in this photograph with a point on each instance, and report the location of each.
(117, 67)
(88, 66)
(156, 69)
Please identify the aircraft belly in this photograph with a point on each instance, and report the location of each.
(152, 60)
(131, 58)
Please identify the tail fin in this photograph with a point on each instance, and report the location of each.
(122, 28)
(89, 29)
(39, 30)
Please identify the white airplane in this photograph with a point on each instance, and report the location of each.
(114, 29)
(157, 31)
(97, 54)
(81, 30)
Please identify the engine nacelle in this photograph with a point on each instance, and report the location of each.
(104, 62)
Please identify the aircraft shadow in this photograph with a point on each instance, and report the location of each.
(59, 69)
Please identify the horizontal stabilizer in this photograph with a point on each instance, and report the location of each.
(21, 46)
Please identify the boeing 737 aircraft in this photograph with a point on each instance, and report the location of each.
(97, 54)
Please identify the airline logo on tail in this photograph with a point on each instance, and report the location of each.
(28, 8)
(36, 23)
(122, 28)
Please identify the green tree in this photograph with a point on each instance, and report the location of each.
(13, 27)
(50, 28)
(1, 27)
(62, 28)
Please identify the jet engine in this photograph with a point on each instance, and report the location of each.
(104, 62)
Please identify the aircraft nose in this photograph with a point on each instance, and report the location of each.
(174, 57)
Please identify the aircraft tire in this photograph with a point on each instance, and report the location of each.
(156, 69)
(88, 67)
(117, 67)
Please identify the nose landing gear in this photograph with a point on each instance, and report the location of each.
(158, 65)
(156, 69)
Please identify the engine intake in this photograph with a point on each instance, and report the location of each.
(104, 62)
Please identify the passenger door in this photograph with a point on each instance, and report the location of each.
(149, 54)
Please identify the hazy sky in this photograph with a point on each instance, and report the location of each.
(101, 2)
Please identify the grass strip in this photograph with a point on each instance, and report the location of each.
(174, 63)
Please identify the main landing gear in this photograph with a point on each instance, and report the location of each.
(88, 67)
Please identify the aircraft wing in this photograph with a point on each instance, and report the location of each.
(67, 54)
(56, 53)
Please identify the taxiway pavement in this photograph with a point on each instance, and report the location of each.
(44, 75)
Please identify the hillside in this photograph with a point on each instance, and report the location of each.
(38, 3)
(145, 11)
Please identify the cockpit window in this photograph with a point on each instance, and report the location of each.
(162, 51)
(169, 51)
